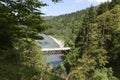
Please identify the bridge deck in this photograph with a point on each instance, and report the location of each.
(56, 49)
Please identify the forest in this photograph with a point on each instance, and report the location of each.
(93, 33)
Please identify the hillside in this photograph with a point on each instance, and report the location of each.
(48, 17)
(95, 33)
(66, 27)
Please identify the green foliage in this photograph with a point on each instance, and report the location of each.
(104, 74)
(19, 19)
(103, 8)
(114, 3)
(61, 71)
(95, 32)
(68, 25)
(48, 17)
(20, 56)
(56, 0)
(110, 24)
(98, 44)
(71, 57)
(32, 62)
(96, 39)
(71, 60)
(23, 63)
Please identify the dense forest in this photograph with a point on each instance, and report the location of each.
(66, 27)
(93, 33)
(20, 55)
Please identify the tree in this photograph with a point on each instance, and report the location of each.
(103, 8)
(20, 24)
(19, 19)
(109, 22)
(68, 25)
(104, 74)
(20, 56)
(92, 54)
(71, 60)
(114, 3)
(56, 0)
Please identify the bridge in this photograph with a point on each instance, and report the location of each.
(55, 51)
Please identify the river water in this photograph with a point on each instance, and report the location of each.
(48, 42)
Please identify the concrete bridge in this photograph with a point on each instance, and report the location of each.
(55, 51)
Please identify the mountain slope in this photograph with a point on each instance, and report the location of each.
(66, 27)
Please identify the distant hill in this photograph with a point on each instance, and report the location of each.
(48, 17)
(66, 27)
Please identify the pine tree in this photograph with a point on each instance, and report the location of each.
(103, 8)
(114, 3)
(109, 22)
(20, 24)
(93, 53)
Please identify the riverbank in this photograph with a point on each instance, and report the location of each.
(59, 42)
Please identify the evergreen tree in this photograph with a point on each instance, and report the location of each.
(19, 19)
(104, 74)
(114, 3)
(103, 8)
(20, 56)
(109, 22)
(92, 54)
(20, 24)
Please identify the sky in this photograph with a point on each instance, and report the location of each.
(67, 6)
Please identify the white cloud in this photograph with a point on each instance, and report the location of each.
(91, 1)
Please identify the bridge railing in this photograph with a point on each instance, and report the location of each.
(55, 51)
